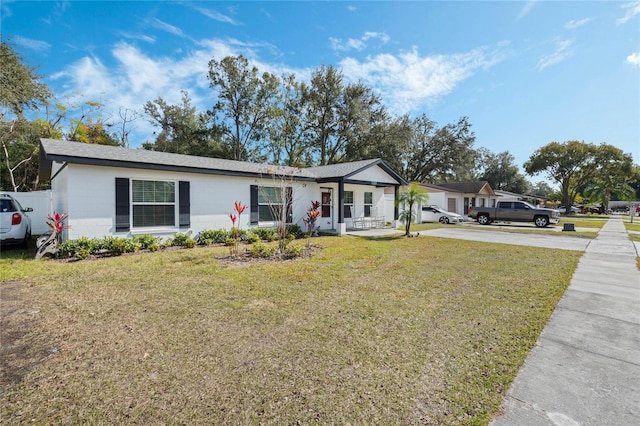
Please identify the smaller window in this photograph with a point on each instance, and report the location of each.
(270, 204)
(348, 204)
(368, 203)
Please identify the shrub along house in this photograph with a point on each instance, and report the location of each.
(117, 191)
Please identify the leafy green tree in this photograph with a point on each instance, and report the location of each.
(289, 145)
(246, 104)
(440, 154)
(361, 116)
(388, 139)
(20, 90)
(94, 133)
(542, 189)
(502, 173)
(634, 180)
(612, 175)
(369, 130)
(323, 115)
(409, 198)
(21, 141)
(574, 165)
(182, 130)
(20, 85)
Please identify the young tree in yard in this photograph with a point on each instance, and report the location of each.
(246, 104)
(409, 198)
(277, 196)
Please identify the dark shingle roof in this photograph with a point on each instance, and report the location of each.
(82, 153)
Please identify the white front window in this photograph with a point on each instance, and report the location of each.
(153, 203)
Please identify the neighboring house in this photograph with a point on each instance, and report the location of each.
(457, 197)
(109, 190)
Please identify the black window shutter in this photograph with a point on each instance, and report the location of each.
(254, 215)
(185, 204)
(289, 204)
(122, 205)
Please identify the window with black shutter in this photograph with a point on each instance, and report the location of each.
(185, 204)
(122, 205)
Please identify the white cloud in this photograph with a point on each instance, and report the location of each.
(408, 80)
(31, 44)
(167, 27)
(142, 37)
(528, 7)
(634, 59)
(572, 25)
(352, 8)
(215, 15)
(357, 43)
(633, 10)
(561, 53)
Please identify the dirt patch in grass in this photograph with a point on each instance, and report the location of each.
(21, 347)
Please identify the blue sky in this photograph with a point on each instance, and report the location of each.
(525, 73)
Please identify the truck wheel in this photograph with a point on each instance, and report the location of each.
(541, 221)
(444, 220)
(483, 219)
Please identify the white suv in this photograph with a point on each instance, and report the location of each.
(15, 225)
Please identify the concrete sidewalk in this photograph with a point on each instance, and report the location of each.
(585, 367)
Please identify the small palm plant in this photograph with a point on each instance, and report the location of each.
(409, 198)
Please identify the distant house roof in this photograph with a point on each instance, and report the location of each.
(475, 187)
(509, 194)
(104, 155)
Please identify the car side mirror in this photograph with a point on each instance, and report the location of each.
(27, 210)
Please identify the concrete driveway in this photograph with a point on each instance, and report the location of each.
(520, 239)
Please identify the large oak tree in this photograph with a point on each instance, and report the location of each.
(574, 165)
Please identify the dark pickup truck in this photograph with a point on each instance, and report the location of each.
(514, 211)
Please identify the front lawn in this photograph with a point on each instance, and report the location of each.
(387, 331)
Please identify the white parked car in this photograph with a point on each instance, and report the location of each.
(436, 214)
(15, 225)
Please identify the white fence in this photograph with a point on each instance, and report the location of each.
(40, 202)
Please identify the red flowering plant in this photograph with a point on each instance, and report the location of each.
(239, 209)
(56, 222)
(48, 244)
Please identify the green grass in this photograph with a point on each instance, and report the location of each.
(385, 331)
(582, 221)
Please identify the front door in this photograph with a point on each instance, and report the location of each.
(326, 209)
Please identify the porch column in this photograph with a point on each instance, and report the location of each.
(396, 207)
(341, 226)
